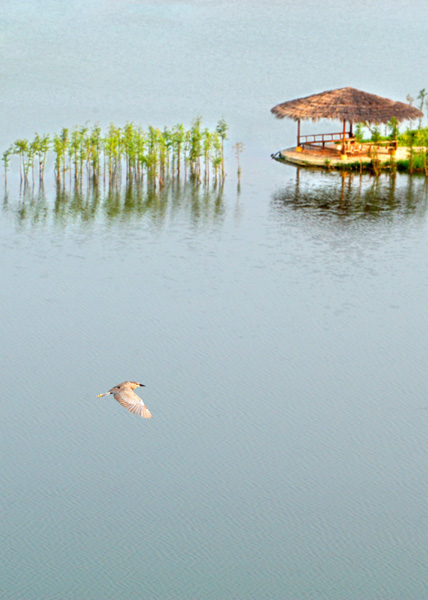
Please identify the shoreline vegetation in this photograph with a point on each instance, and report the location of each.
(414, 139)
(131, 154)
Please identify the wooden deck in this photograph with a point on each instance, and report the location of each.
(329, 156)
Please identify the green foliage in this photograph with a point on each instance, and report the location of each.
(359, 132)
(6, 158)
(375, 133)
(414, 137)
(222, 129)
(393, 128)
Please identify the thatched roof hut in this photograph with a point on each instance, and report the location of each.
(346, 104)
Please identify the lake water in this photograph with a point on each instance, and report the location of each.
(281, 329)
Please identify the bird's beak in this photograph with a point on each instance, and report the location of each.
(99, 395)
(141, 385)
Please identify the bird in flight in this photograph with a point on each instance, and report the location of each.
(125, 395)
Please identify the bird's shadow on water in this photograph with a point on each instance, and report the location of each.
(64, 204)
(349, 195)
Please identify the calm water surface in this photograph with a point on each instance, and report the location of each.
(281, 329)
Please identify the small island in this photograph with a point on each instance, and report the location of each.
(348, 149)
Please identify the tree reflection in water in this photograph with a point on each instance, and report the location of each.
(117, 203)
(353, 195)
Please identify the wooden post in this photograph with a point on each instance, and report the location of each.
(298, 136)
(343, 139)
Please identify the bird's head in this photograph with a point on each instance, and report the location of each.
(135, 384)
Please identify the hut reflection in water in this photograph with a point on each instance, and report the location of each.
(351, 195)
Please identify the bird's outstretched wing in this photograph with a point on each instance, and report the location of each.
(129, 400)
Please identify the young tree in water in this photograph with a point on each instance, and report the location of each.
(410, 100)
(179, 139)
(221, 129)
(238, 147)
(6, 161)
(421, 97)
(21, 149)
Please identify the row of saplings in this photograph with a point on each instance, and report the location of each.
(131, 152)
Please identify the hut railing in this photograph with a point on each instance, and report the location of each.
(352, 146)
(322, 138)
(369, 148)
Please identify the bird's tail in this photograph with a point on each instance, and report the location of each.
(145, 413)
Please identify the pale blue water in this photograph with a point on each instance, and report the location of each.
(281, 331)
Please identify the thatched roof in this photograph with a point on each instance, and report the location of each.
(346, 103)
